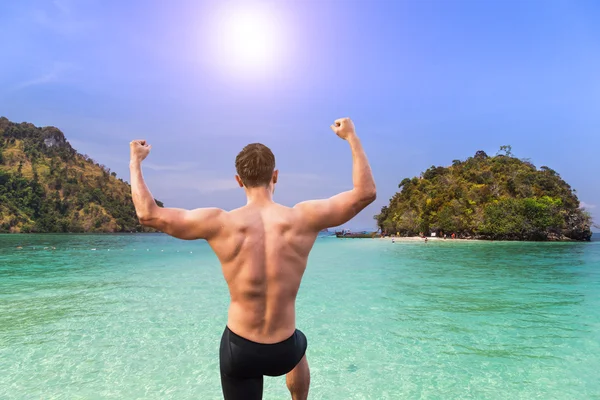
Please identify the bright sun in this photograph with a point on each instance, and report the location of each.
(248, 39)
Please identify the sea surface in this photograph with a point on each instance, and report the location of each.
(141, 316)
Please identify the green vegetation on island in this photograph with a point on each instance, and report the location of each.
(47, 186)
(496, 198)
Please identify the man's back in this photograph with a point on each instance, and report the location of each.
(263, 249)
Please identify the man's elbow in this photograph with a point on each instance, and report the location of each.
(369, 195)
(148, 216)
(145, 219)
(364, 197)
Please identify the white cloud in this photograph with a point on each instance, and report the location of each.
(55, 74)
(63, 6)
(299, 176)
(200, 181)
(61, 18)
(204, 182)
(183, 166)
(107, 154)
(586, 205)
(215, 185)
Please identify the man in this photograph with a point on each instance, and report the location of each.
(263, 249)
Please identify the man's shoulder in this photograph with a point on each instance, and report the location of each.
(300, 215)
(283, 208)
(307, 207)
(294, 211)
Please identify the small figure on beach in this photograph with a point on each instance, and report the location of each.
(263, 248)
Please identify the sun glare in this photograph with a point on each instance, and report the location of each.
(248, 39)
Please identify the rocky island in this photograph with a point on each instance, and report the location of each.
(47, 186)
(497, 197)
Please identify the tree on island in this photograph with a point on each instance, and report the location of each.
(499, 197)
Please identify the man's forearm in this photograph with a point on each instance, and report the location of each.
(362, 177)
(142, 198)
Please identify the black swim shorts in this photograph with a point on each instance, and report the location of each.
(244, 363)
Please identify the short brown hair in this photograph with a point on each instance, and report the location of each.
(255, 165)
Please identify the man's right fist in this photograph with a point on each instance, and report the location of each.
(343, 127)
(139, 150)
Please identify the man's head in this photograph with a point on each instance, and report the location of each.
(255, 166)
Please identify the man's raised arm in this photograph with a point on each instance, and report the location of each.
(339, 209)
(202, 223)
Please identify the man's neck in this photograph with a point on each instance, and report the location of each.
(259, 195)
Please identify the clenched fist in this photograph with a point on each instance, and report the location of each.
(344, 128)
(139, 150)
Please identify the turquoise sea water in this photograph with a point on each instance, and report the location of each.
(140, 317)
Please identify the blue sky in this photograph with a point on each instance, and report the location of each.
(426, 82)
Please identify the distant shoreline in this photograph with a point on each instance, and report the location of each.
(441, 239)
(431, 238)
(75, 233)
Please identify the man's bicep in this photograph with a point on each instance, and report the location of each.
(327, 213)
(201, 223)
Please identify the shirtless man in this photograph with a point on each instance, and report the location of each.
(263, 248)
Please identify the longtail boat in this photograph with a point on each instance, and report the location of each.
(354, 235)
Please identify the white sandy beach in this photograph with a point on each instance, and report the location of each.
(429, 238)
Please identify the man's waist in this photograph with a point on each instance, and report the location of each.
(240, 339)
(261, 327)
